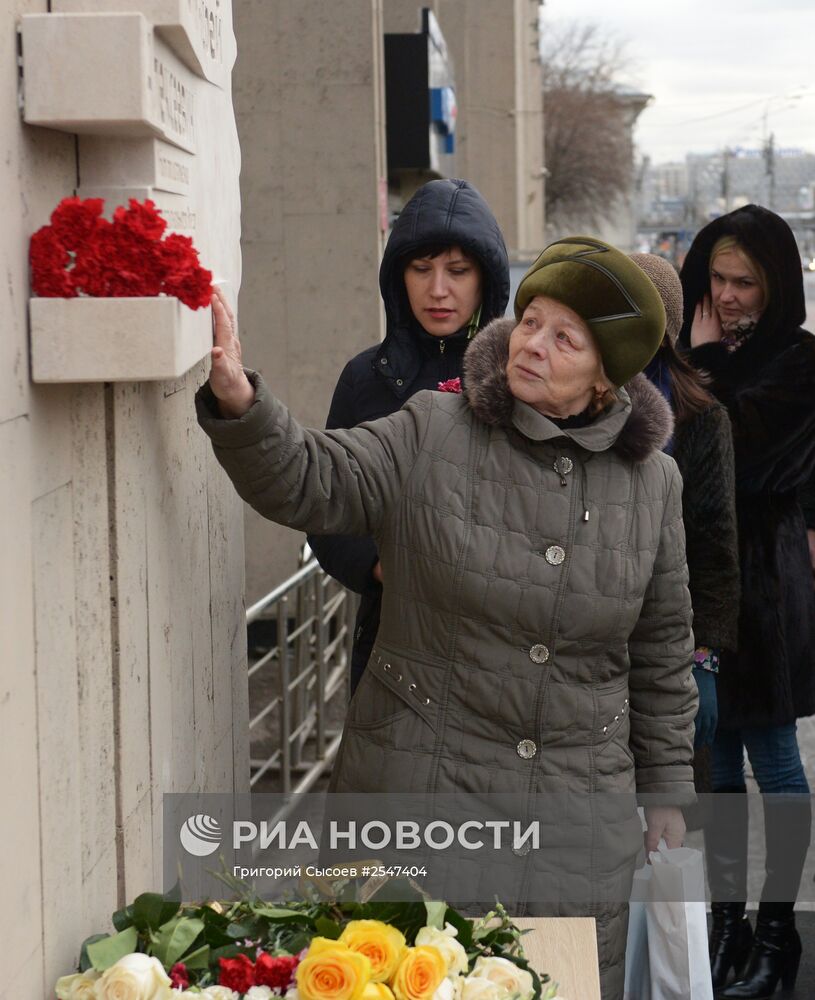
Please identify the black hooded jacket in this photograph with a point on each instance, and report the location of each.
(768, 387)
(378, 381)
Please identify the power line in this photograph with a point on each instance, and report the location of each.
(730, 111)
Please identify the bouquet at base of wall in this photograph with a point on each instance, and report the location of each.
(304, 950)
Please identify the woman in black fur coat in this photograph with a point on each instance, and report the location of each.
(744, 306)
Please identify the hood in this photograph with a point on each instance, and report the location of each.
(638, 424)
(768, 239)
(445, 211)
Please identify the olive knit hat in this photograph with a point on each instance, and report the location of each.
(667, 283)
(614, 297)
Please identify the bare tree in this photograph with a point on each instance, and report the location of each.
(587, 124)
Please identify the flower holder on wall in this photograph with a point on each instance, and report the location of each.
(116, 339)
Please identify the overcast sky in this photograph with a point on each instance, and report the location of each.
(704, 60)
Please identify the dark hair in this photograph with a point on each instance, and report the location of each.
(435, 250)
(689, 395)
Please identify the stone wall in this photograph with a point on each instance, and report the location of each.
(499, 131)
(309, 97)
(123, 661)
(309, 104)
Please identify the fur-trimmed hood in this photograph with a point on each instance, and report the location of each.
(638, 424)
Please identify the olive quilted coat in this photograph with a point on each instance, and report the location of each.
(535, 602)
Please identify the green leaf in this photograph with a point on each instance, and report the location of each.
(435, 915)
(328, 928)
(84, 961)
(240, 931)
(151, 910)
(109, 950)
(228, 951)
(198, 959)
(122, 919)
(175, 937)
(462, 925)
(278, 913)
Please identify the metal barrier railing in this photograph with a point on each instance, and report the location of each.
(293, 683)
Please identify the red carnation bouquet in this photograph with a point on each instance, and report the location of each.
(82, 253)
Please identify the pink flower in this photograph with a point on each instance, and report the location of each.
(179, 977)
(451, 385)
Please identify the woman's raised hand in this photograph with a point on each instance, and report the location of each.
(706, 328)
(227, 379)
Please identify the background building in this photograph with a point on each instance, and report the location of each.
(318, 193)
(677, 199)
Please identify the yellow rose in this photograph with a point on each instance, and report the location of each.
(384, 946)
(419, 974)
(377, 991)
(330, 971)
(134, 977)
(80, 986)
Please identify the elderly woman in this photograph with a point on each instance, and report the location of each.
(744, 306)
(535, 631)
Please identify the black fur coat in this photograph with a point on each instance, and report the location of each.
(768, 387)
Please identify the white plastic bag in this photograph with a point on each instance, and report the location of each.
(637, 963)
(677, 926)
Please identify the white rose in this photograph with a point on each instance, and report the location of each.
(259, 993)
(449, 989)
(219, 993)
(513, 981)
(80, 986)
(135, 977)
(292, 994)
(481, 988)
(452, 951)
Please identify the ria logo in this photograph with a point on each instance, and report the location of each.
(200, 835)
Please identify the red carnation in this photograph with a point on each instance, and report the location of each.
(237, 973)
(119, 262)
(49, 259)
(451, 385)
(185, 278)
(143, 219)
(179, 977)
(74, 220)
(125, 257)
(275, 972)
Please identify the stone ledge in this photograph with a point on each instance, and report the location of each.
(116, 339)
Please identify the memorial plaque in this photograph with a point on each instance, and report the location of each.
(177, 209)
(199, 31)
(151, 163)
(106, 74)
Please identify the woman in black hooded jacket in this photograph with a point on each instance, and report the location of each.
(744, 306)
(417, 353)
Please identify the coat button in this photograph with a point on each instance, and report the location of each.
(563, 465)
(527, 749)
(383, 361)
(523, 850)
(555, 555)
(399, 381)
(539, 653)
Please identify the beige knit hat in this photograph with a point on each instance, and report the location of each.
(664, 276)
